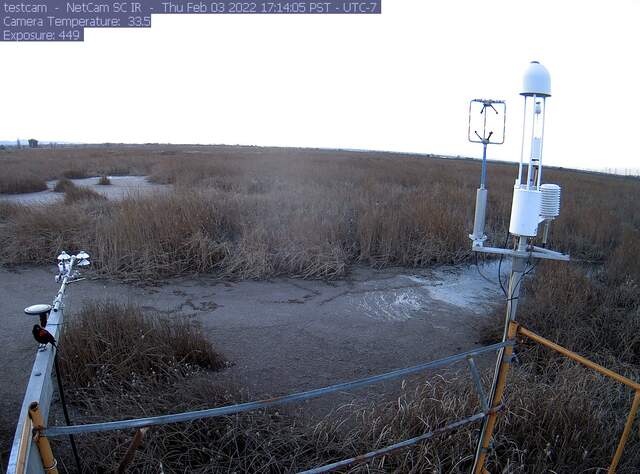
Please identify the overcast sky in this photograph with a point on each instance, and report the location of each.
(398, 81)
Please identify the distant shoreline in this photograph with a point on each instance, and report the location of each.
(622, 172)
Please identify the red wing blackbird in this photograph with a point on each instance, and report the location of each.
(43, 336)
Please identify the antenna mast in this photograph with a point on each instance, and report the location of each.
(490, 117)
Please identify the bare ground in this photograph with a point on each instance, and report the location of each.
(282, 335)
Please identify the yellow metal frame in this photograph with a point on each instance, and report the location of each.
(496, 402)
(48, 461)
(516, 329)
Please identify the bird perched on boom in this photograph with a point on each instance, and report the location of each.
(43, 336)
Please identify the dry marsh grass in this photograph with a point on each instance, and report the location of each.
(62, 185)
(255, 213)
(79, 194)
(21, 182)
(48, 164)
(110, 344)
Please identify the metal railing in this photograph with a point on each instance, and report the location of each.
(33, 464)
(23, 456)
(268, 403)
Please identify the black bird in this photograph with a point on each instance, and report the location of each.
(43, 336)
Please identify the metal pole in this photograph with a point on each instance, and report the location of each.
(483, 177)
(533, 129)
(131, 452)
(625, 434)
(48, 461)
(544, 112)
(504, 359)
(524, 120)
(57, 302)
(579, 359)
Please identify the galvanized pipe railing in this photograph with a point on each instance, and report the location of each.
(244, 407)
(397, 446)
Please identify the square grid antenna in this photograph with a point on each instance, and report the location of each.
(487, 121)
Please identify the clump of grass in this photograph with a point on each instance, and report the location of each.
(63, 185)
(8, 210)
(163, 235)
(32, 234)
(622, 268)
(110, 344)
(76, 173)
(77, 194)
(104, 181)
(20, 183)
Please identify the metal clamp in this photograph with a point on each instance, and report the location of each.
(53, 467)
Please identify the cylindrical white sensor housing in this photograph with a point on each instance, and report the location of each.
(525, 212)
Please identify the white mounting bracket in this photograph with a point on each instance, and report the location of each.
(535, 252)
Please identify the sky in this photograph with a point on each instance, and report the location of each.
(399, 81)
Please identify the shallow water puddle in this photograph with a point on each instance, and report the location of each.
(411, 296)
(120, 187)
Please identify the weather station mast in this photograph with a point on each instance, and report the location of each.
(492, 115)
(534, 204)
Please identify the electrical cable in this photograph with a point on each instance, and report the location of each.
(524, 274)
(480, 273)
(67, 419)
(506, 240)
